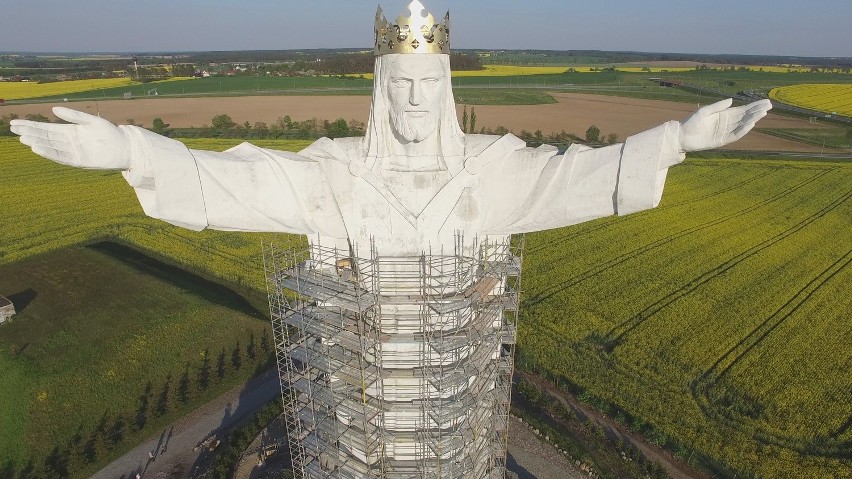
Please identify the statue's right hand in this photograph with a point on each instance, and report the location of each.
(87, 141)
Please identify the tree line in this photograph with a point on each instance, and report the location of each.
(223, 126)
(155, 404)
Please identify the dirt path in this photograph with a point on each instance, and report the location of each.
(673, 467)
(530, 457)
(175, 451)
(573, 112)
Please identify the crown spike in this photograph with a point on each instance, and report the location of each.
(417, 33)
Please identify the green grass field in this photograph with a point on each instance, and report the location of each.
(107, 348)
(628, 83)
(830, 138)
(494, 96)
(719, 318)
(97, 326)
(53, 206)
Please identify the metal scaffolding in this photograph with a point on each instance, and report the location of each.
(396, 367)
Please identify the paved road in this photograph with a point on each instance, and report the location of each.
(174, 449)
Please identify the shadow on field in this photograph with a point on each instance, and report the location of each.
(23, 299)
(209, 290)
(256, 393)
(8, 469)
(513, 466)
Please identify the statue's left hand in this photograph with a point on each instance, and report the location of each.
(86, 141)
(718, 124)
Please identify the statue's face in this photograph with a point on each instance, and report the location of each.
(416, 87)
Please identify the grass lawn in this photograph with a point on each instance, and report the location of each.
(832, 138)
(107, 347)
(486, 96)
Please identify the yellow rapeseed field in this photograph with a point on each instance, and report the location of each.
(25, 90)
(830, 98)
(510, 70)
(21, 90)
(514, 70)
(498, 71)
(644, 70)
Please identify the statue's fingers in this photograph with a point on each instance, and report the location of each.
(764, 104)
(716, 107)
(746, 124)
(60, 134)
(759, 107)
(74, 116)
(26, 127)
(749, 118)
(739, 132)
(60, 145)
(23, 127)
(54, 154)
(742, 114)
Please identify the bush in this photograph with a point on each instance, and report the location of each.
(4, 124)
(593, 134)
(222, 122)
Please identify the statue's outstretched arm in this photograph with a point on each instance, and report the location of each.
(245, 188)
(719, 124)
(87, 141)
(587, 183)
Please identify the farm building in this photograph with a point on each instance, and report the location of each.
(7, 309)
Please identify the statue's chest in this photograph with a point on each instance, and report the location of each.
(414, 190)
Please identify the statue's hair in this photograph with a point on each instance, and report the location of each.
(377, 141)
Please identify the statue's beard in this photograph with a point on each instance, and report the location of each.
(414, 129)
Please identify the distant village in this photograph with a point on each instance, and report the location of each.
(44, 67)
(53, 68)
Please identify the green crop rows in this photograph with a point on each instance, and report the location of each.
(722, 318)
(49, 206)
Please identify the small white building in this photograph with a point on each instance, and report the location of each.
(7, 309)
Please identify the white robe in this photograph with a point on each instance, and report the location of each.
(504, 188)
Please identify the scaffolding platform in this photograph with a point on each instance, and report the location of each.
(396, 367)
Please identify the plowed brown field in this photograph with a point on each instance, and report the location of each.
(574, 113)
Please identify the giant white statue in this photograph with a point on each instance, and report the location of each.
(414, 184)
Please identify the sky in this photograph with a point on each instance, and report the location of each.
(763, 27)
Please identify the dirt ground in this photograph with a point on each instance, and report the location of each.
(530, 457)
(573, 112)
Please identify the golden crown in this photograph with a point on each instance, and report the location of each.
(419, 33)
